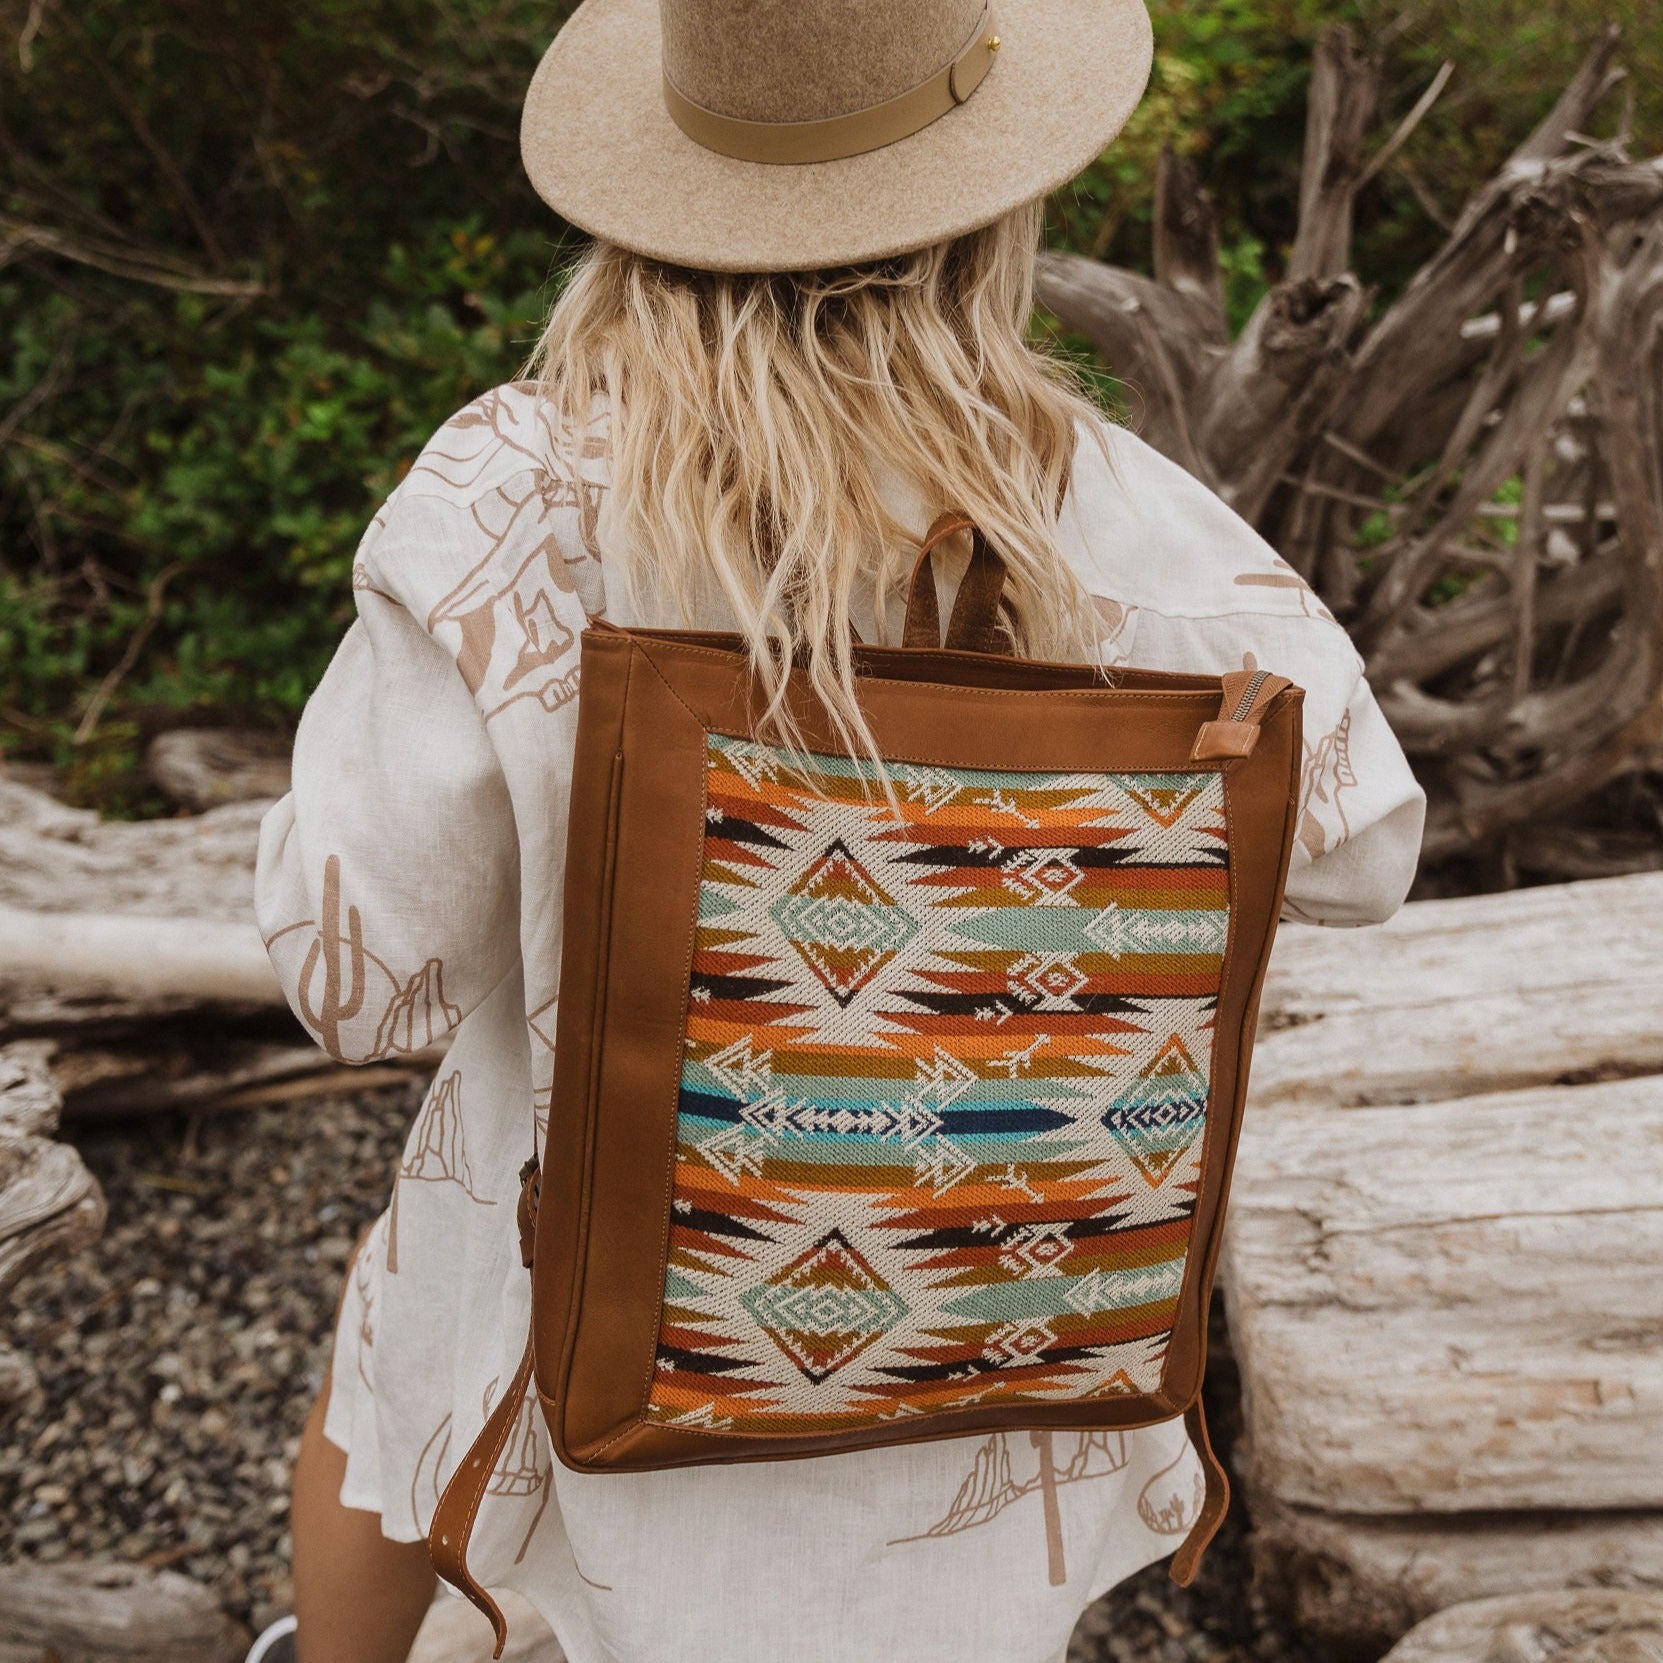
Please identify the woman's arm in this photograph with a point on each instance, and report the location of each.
(1183, 583)
(1357, 837)
(387, 881)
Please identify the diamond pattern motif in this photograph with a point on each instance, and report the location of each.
(825, 1308)
(842, 923)
(1163, 1114)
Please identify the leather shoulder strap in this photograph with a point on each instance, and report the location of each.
(453, 1519)
(974, 625)
(1215, 1500)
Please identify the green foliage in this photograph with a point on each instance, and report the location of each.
(259, 252)
(1075, 351)
(187, 468)
(208, 498)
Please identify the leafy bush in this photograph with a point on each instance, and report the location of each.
(209, 486)
(251, 255)
(275, 247)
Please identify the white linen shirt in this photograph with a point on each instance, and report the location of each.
(424, 843)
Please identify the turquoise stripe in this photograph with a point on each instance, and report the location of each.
(856, 1092)
(677, 1287)
(1055, 1296)
(902, 774)
(855, 1153)
(834, 1149)
(1184, 781)
(865, 1092)
(1112, 931)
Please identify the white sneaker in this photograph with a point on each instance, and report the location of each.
(275, 1644)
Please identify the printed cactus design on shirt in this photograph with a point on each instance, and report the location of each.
(997, 1479)
(347, 992)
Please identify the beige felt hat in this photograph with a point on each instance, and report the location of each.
(778, 135)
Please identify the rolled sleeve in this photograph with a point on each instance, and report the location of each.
(386, 885)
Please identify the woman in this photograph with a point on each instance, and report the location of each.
(798, 337)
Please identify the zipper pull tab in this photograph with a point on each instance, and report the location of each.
(1235, 731)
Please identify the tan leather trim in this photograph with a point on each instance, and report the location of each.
(1215, 1500)
(622, 1114)
(1259, 803)
(639, 1446)
(829, 139)
(650, 697)
(562, 1218)
(1028, 726)
(943, 667)
(453, 1518)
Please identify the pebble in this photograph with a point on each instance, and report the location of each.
(179, 1357)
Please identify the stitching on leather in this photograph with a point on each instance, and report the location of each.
(686, 649)
(1194, 1259)
(617, 1437)
(488, 1467)
(597, 1020)
(647, 658)
(1238, 1103)
(686, 982)
(483, 1482)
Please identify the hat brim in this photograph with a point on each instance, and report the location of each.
(603, 152)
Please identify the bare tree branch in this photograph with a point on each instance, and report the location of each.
(1345, 92)
(159, 271)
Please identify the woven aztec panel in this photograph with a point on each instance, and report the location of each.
(944, 1090)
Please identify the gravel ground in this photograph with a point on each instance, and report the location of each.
(181, 1357)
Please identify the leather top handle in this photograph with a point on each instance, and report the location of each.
(974, 625)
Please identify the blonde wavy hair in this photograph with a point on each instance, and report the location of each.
(752, 414)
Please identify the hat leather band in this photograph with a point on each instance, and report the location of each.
(833, 137)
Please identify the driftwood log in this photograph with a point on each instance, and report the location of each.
(1453, 1306)
(1359, 1581)
(1473, 479)
(54, 858)
(132, 948)
(81, 897)
(1607, 1626)
(1479, 994)
(50, 1205)
(133, 962)
(1440, 1267)
(107, 1613)
(203, 768)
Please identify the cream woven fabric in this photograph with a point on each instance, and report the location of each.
(420, 849)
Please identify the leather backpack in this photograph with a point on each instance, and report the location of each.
(895, 1105)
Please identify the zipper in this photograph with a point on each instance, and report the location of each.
(1249, 694)
(1234, 732)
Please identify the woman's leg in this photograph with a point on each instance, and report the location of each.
(358, 1598)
